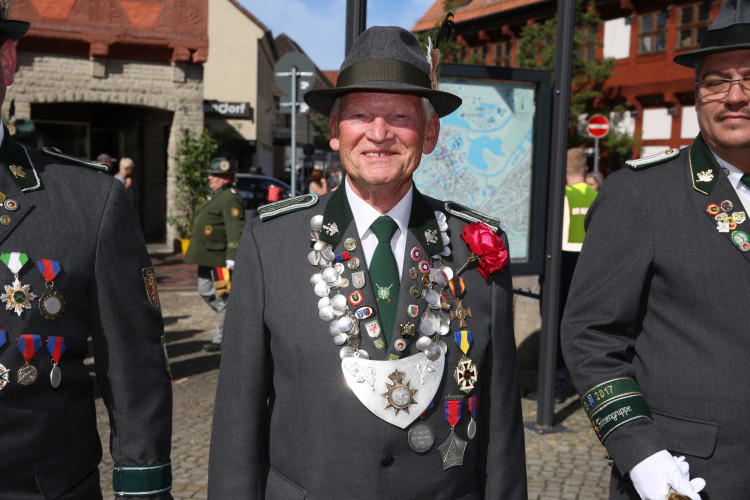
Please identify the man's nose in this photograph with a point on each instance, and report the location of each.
(379, 130)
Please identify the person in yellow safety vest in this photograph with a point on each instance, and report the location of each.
(578, 198)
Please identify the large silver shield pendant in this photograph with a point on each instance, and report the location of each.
(397, 391)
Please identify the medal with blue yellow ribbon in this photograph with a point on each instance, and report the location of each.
(51, 303)
(17, 297)
(28, 345)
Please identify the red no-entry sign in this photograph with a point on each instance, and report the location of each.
(597, 126)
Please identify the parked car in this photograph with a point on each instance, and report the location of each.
(254, 191)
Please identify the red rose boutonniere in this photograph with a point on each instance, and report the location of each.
(486, 247)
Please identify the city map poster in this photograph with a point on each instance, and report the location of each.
(487, 157)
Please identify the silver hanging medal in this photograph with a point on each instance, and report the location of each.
(51, 303)
(471, 430)
(56, 348)
(421, 437)
(452, 450)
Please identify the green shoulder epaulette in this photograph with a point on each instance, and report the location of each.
(95, 165)
(650, 161)
(469, 215)
(279, 208)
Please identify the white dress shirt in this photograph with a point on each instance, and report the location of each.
(365, 215)
(735, 176)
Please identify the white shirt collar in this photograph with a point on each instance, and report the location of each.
(365, 214)
(734, 173)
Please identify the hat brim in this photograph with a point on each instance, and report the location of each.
(13, 29)
(322, 100)
(688, 58)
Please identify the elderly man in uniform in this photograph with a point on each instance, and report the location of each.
(75, 269)
(655, 331)
(217, 228)
(369, 347)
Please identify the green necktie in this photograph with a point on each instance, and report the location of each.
(384, 273)
(745, 179)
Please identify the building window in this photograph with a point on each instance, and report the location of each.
(652, 33)
(502, 54)
(693, 21)
(587, 50)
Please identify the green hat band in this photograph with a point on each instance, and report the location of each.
(374, 70)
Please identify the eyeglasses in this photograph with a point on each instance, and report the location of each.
(716, 90)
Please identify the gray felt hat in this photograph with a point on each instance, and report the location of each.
(384, 59)
(729, 31)
(10, 28)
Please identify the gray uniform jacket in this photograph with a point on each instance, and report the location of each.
(49, 444)
(286, 425)
(660, 295)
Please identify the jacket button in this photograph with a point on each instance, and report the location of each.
(387, 460)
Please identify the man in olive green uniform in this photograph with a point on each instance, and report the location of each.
(216, 234)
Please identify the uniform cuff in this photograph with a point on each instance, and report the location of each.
(614, 403)
(142, 480)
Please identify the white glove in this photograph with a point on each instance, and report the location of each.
(654, 476)
(230, 264)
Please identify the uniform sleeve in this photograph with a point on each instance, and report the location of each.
(238, 457)
(604, 312)
(234, 220)
(500, 401)
(131, 367)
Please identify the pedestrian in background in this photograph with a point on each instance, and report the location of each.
(76, 274)
(125, 175)
(655, 331)
(317, 183)
(217, 227)
(595, 180)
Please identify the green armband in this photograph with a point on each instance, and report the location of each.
(614, 403)
(142, 480)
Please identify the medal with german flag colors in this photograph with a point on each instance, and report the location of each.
(56, 348)
(51, 303)
(28, 345)
(17, 297)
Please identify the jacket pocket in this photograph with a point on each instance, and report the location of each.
(280, 487)
(59, 472)
(687, 436)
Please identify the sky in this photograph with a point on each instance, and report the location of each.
(318, 25)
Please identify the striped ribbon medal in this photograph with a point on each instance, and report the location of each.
(452, 450)
(51, 303)
(56, 348)
(28, 345)
(17, 297)
(3, 371)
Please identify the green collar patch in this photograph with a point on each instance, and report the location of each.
(279, 208)
(651, 160)
(94, 165)
(16, 162)
(336, 218)
(704, 169)
(466, 214)
(423, 224)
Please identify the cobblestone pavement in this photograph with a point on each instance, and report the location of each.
(568, 465)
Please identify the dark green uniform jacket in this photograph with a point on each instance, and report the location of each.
(49, 444)
(217, 229)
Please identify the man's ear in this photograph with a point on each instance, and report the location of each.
(8, 61)
(431, 134)
(333, 128)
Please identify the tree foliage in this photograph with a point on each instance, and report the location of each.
(536, 50)
(194, 153)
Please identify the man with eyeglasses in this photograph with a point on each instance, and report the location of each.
(656, 331)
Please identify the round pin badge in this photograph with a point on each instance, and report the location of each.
(726, 206)
(721, 216)
(416, 253)
(713, 209)
(355, 298)
(399, 344)
(745, 246)
(353, 264)
(11, 205)
(739, 236)
(415, 291)
(344, 282)
(339, 267)
(5, 220)
(350, 244)
(413, 273)
(424, 266)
